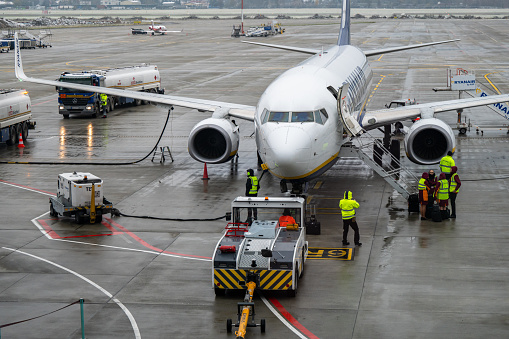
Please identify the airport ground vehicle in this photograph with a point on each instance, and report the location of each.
(15, 115)
(265, 30)
(80, 194)
(274, 253)
(4, 47)
(135, 31)
(143, 78)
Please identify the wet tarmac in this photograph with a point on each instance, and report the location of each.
(145, 278)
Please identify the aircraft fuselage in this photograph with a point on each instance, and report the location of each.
(298, 131)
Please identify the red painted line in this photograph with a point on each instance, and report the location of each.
(35, 189)
(54, 235)
(144, 243)
(40, 103)
(291, 319)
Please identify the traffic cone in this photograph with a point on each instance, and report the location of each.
(205, 173)
(20, 144)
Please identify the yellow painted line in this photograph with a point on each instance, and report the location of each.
(492, 85)
(308, 200)
(318, 185)
(380, 59)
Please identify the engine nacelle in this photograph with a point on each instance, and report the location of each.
(213, 141)
(428, 140)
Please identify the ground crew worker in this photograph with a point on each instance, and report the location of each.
(446, 163)
(454, 187)
(432, 183)
(252, 187)
(348, 206)
(104, 103)
(286, 218)
(442, 191)
(424, 189)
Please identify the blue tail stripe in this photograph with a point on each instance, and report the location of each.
(344, 31)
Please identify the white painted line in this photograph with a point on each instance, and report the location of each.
(126, 311)
(134, 250)
(28, 189)
(280, 317)
(36, 223)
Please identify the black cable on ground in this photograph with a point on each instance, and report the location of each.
(95, 163)
(169, 219)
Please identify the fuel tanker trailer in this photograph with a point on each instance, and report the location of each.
(143, 78)
(15, 115)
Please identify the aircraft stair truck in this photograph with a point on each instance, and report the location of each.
(274, 253)
(80, 194)
(143, 78)
(15, 115)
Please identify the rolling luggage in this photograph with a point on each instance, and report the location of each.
(429, 209)
(436, 214)
(413, 203)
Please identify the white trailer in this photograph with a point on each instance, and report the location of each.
(143, 77)
(15, 115)
(80, 194)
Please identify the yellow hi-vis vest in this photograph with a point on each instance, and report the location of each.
(348, 206)
(446, 163)
(443, 191)
(453, 184)
(104, 99)
(254, 185)
(422, 184)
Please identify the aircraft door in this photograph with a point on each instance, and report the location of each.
(350, 125)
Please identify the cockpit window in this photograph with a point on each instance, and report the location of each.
(318, 116)
(278, 116)
(302, 117)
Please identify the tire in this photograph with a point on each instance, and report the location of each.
(219, 292)
(111, 105)
(52, 211)
(78, 218)
(463, 131)
(229, 325)
(24, 131)
(12, 136)
(98, 218)
(293, 292)
(136, 102)
(262, 325)
(66, 116)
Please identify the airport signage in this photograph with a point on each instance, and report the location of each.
(463, 82)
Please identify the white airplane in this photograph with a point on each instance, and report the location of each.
(301, 117)
(160, 29)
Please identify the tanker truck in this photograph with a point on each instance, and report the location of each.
(15, 115)
(142, 77)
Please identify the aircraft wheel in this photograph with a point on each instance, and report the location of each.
(229, 325)
(293, 292)
(137, 102)
(66, 116)
(463, 130)
(262, 325)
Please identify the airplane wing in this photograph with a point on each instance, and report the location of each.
(377, 118)
(235, 110)
(288, 48)
(402, 48)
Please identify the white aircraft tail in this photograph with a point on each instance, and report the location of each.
(18, 68)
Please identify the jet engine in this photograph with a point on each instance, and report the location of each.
(214, 141)
(428, 140)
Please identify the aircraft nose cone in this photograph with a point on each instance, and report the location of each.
(289, 152)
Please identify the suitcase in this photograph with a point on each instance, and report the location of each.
(429, 209)
(436, 214)
(446, 214)
(312, 226)
(413, 203)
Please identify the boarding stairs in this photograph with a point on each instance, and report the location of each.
(372, 151)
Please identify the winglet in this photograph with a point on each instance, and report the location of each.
(344, 31)
(18, 65)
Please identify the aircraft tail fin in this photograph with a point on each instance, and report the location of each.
(18, 65)
(344, 31)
